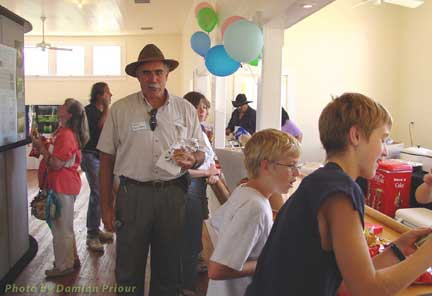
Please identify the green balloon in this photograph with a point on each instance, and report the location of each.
(254, 62)
(207, 19)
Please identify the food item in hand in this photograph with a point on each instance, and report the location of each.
(179, 155)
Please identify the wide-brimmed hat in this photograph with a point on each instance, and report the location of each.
(150, 53)
(240, 100)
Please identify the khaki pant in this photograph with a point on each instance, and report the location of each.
(63, 233)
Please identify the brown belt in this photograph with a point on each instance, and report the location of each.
(155, 183)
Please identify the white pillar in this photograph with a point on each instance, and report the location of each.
(219, 93)
(269, 88)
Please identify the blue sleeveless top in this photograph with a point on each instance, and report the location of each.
(292, 261)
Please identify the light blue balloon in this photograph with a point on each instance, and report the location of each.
(200, 43)
(219, 63)
(243, 41)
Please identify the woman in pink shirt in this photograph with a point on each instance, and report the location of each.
(61, 160)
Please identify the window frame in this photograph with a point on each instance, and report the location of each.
(88, 61)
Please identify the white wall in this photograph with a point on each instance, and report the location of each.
(416, 76)
(341, 49)
(54, 91)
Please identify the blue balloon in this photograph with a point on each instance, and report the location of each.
(219, 63)
(243, 41)
(200, 43)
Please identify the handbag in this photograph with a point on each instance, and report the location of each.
(38, 205)
(45, 205)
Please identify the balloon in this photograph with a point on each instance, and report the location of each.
(207, 19)
(200, 43)
(219, 63)
(201, 6)
(255, 61)
(243, 41)
(229, 21)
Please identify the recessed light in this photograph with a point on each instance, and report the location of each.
(146, 28)
(307, 6)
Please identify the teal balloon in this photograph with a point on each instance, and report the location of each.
(207, 19)
(243, 41)
(219, 63)
(200, 43)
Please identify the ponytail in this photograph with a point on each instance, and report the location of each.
(78, 121)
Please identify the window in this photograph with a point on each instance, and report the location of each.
(70, 63)
(106, 60)
(85, 60)
(35, 61)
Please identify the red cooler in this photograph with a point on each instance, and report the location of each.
(390, 189)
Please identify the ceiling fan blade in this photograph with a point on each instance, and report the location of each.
(60, 48)
(406, 3)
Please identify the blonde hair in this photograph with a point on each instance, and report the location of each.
(270, 145)
(350, 109)
(78, 121)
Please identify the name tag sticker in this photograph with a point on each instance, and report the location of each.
(142, 125)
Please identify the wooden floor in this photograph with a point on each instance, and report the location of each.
(96, 275)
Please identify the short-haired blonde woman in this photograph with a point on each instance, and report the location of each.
(317, 239)
(243, 223)
(62, 160)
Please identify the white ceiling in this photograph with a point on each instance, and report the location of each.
(102, 17)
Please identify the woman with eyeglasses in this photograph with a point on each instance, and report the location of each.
(243, 223)
(61, 160)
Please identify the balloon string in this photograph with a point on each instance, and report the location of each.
(251, 72)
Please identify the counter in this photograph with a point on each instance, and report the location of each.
(391, 230)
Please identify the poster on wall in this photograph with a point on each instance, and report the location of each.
(20, 97)
(8, 98)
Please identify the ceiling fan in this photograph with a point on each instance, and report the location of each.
(404, 3)
(45, 45)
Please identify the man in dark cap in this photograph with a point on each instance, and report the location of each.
(150, 204)
(243, 115)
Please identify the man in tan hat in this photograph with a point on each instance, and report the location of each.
(150, 204)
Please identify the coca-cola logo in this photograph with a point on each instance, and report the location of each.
(379, 178)
(399, 185)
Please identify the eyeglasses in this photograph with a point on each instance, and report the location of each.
(292, 167)
(153, 120)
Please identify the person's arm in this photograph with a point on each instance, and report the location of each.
(404, 243)
(231, 260)
(106, 176)
(197, 173)
(63, 148)
(51, 161)
(104, 115)
(189, 160)
(231, 123)
(423, 193)
(252, 121)
(217, 271)
(346, 238)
